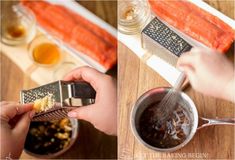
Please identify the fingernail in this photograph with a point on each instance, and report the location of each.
(72, 114)
(31, 114)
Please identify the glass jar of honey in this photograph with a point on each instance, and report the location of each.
(18, 24)
(133, 15)
(44, 51)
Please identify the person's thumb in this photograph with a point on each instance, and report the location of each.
(84, 113)
(22, 126)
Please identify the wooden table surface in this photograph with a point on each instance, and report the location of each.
(135, 78)
(91, 143)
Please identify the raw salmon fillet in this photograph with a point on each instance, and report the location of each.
(195, 22)
(76, 31)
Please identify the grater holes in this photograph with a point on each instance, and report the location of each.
(40, 92)
(48, 116)
(166, 37)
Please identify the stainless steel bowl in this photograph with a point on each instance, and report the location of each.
(155, 95)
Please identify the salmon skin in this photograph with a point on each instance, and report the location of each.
(76, 31)
(195, 22)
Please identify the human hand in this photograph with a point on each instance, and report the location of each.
(14, 119)
(103, 113)
(209, 72)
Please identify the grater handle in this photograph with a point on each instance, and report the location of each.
(82, 90)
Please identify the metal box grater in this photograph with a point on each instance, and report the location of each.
(160, 40)
(67, 95)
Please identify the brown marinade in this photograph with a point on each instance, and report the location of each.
(167, 135)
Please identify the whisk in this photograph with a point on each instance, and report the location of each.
(167, 105)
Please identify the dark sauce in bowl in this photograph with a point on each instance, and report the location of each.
(168, 135)
(46, 138)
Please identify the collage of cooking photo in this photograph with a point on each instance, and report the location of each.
(117, 79)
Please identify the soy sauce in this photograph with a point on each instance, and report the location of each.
(170, 134)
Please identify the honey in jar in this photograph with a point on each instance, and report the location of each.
(16, 31)
(46, 53)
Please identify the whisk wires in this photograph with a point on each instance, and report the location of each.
(169, 102)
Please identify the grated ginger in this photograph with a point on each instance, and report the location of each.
(44, 103)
